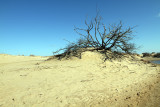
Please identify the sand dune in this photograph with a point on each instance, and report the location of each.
(27, 81)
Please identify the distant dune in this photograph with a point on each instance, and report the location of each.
(27, 81)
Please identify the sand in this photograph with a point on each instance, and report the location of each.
(27, 81)
(151, 58)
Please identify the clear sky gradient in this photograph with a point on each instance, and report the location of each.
(39, 26)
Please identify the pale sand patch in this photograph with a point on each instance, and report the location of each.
(32, 81)
(151, 58)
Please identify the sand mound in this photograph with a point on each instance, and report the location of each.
(89, 81)
(88, 55)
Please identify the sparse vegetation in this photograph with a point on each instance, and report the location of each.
(157, 55)
(146, 54)
(97, 37)
(153, 54)
(32, 55)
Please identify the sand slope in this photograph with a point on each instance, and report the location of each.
(33, 82)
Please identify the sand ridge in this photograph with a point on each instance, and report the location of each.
(31, 81)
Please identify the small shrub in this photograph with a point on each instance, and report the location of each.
(157, 55)
(146, 54)
(32, 55)
(153, 53)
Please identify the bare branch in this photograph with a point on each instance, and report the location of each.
(97, 36)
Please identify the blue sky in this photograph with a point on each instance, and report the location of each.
(39, 26)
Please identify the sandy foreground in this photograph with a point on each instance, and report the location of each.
(27, 81)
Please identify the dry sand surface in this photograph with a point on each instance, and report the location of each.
(27, 81)
(151, 58)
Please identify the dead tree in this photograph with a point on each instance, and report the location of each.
(106, 39)
(97, 36)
